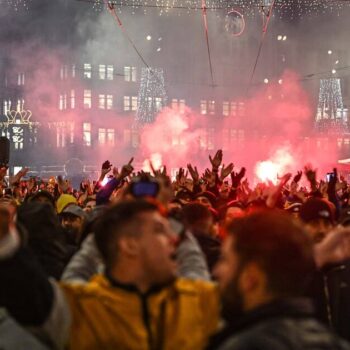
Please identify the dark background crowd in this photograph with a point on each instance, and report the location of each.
(136, 260)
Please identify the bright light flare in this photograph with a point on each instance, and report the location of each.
(279, 164)
(267, 171)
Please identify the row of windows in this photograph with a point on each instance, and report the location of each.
(130, 103)
(102, 72)
(107, 136)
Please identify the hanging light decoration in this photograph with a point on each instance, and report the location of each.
(290, 8)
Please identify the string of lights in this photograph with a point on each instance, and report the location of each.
(16, 5)
(290, 8)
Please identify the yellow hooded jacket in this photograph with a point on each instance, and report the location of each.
(181, 316)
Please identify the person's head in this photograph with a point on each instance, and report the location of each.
(231, 211)
(267, 256)
(136, 241)
(206, 198)
(198, 218)
(43, 196)
(73, 219)
(319, 217)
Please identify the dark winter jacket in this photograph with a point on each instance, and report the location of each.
(281, 325)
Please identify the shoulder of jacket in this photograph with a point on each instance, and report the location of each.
(195, 286)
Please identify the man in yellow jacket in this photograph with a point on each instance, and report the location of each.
(137, 303)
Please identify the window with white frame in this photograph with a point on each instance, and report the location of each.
(109, 102)
(87, 71)
(87, 99)
(158, 102)
(130, 103)
(102, 101)
(134, 103)
(178, 104)
(101, 136)
(226, 108)
(71, 132)
(64, 72)
(211, 107)
(110, 72)
(127, 105)
(60, 137)
(130, 73)
(72, 99)
(105, 101)
(102, 71)
(62, 102)
(203, 107)
(233, 111)
(241, 109)
(87, 134)
(20, 79)
(110, 137)
(73, 70)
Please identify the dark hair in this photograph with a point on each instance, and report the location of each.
(194, 213)
(113, 223)
(276, 242)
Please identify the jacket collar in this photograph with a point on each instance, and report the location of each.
(132, 288)
(282, 308)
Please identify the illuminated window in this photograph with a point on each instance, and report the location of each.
(226, 108)
(110, 71)
(7, 106)
(101, 101)
(63, 102)
(72, 99)
(130, 103)
(71, 132)
(102, 71)
(211, 107)
(101, 136)
(105, 101)
(204, 109)
(178, 105)
(234, 109)
(127, 103)
(87, 71)
(158, 102)
(20, 79)
(130, 73)
(241, 109)
(60, 136)
(109, 101)
(73, 71)
(87, 134)
(110, 137)
(64, 72)
(20, 104)
(87, 99)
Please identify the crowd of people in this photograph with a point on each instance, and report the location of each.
(204, 261)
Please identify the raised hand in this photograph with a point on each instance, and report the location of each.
(17, 178)
(127, 169)
(310, 173)
(237, 177)
(106, 168)
(216, 161)
(63, 185)
(193, 172)
(297, 177)
(226, 171)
